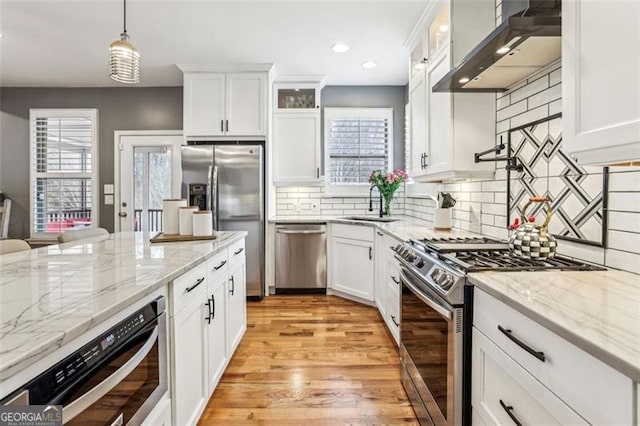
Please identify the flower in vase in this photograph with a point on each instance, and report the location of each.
(388, 184)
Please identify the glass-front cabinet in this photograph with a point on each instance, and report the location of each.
(438, 33)
(293, 97)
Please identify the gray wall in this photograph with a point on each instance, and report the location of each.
(373, 97)
(152, 108)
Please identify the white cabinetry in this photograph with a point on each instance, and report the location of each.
(224, 104)
(517, 357)
(296, 133)
(190, 388)
(447, 128)
(351, 262)
(236, 304)
(387, 281)
(297, 154)
(505, 393)
(600, 80)
(216, 331)
(208, 320)
(380, 291)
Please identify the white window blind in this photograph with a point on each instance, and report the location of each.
(63, 146)
(357, 142)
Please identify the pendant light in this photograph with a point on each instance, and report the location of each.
(124, 60)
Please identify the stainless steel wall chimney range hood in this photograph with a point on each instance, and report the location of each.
(527, 40)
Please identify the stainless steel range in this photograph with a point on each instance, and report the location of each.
(436, 312)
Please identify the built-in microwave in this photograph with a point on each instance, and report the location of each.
(116, 379)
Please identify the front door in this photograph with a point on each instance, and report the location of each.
(148, 167)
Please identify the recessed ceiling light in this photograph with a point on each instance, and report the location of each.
(1, 35)
(369, 64)
(463, 80)
(443, 28)
(503, 50)
(340, 47)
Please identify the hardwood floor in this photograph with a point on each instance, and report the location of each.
(311, 360)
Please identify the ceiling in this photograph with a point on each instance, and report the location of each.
(56, 43)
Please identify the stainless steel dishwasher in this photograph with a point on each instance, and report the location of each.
(301, 258)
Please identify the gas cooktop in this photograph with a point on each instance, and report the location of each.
(443, 263)
(478, 254)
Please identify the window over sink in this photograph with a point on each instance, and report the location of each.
(64, 172)
(357, 141)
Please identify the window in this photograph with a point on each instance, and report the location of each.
(63, 170)
(357, 142)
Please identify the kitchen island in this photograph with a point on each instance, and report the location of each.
(54, 299)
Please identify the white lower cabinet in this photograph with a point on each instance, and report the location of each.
(504, 393)
(352, 267)
(216, 331)
(541, 373)
(236, 305)
(205, 331)
(189, 372)
(380, 290)
(392, 319)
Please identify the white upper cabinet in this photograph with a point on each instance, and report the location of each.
(601, 80)
(246, 104)
(204, 104)
(448, 128)
(296, 148)
(297, 153)
(225, 104)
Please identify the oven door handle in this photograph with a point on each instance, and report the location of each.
(85, 401)
(435, 306)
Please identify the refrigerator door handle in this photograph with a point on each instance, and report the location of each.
(208, 204)
(214, 196)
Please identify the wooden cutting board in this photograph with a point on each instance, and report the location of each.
(161, 237)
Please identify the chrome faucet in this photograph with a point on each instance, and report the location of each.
(371, 200)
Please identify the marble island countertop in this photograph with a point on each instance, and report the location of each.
(51, 295)
(598, 311)
(404, 228)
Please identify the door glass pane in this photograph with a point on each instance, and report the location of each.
(152, 184)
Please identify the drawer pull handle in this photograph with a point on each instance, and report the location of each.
(395, 280)
(200, 281)
(509, 409)
(220, 265)
(233, 286)
(393, 318)
(237, 252)
(507, 332)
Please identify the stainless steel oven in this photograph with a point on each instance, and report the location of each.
(431, 352)
(116, 379)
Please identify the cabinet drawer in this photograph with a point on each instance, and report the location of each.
(599, 393)
(188, 287)
(505, 393)
(352, 232)
(217, 265)
(236, 252)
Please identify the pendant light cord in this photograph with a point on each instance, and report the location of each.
(125, 16)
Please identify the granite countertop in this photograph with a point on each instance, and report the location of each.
(404, 228)
(51, 295)
(598, 311)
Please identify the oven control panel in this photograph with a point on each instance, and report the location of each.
(88, 355)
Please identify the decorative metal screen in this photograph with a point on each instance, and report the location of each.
(578, 194)
(357, 146)
(63, 164)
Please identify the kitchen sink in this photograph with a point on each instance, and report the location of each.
(371, 218)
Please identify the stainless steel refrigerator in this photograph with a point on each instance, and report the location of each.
(228, 179)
